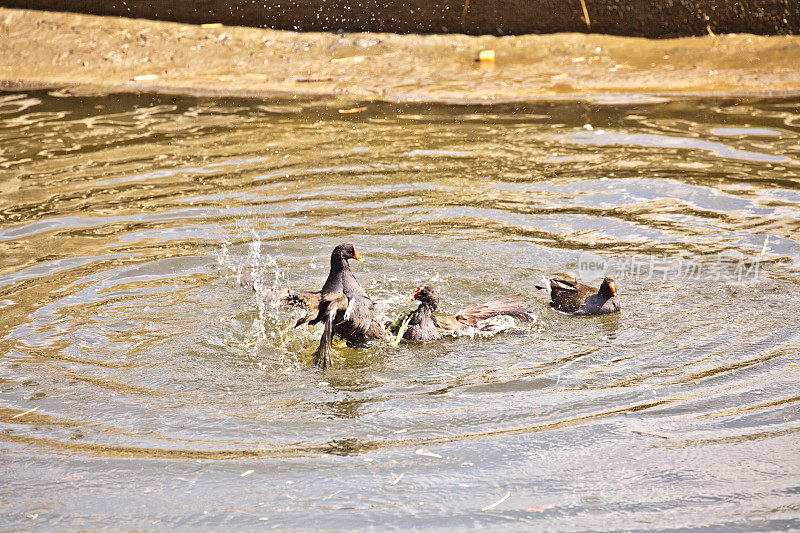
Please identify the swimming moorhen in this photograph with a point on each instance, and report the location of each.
(578, 299)
(342, 306)
(423, 325)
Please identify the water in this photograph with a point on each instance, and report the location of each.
(143, 389)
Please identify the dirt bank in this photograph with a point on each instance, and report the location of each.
(630, 18)
(43, 49)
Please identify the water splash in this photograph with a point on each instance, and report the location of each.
(259, 271)
(256, 270)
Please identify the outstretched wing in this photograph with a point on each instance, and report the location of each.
(285, 298)
(506, 305)
(307, 300)
(282, 297)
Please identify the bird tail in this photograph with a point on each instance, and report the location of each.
(545, 285)
(322, 355)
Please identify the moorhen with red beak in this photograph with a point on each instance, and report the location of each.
(578, 299)
(342, 306)
(423, 325)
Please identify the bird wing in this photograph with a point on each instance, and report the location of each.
(360, 311)
(422, 325)
(308, 300)
(568, 296)
(505, 305)
(312, 302)
(283, 297)
(358, 323)
(448, 323)
(269, 292)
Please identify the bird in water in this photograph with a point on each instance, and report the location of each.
(343, 306)
(423, 325)
(578, 299)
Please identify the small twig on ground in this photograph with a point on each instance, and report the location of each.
(586, 15)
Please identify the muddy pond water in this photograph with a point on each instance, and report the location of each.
(142, 388)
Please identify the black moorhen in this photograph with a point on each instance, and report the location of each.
(342, 306)
(423, 325)
(578, 299)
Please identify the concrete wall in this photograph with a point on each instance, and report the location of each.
(644, 18)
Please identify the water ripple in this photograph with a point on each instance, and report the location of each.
(662, 141)
(135, 367)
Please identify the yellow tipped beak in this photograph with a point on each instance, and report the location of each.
(357, 257)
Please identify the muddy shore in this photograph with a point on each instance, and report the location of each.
(108, 54)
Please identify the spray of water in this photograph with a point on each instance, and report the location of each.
(253, 269)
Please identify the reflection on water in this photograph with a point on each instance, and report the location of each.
(135, 370)
(663, 141)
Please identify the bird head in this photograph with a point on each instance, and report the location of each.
(608, 288)
(346, 252)
(425, 294)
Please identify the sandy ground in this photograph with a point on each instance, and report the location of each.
(108, 54)
(630, 18)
